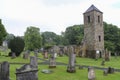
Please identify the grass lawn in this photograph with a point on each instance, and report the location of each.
(60, 71)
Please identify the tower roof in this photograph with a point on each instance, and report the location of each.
(92, 8)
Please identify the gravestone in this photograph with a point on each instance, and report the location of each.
(61, 52)
(103, 63)
(4, 71)
(110, 70)
(36, 52)
(45, 54)
(105, 72)
(107, 55)
(13, 55)
(71, 64)
(28, 71)
(26, 55)
(52, 62)
(91, 74)
(33, 62)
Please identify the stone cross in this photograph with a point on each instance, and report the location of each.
(4, 71)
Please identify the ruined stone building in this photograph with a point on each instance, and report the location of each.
(93, 32)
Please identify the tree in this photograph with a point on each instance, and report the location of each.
(32, 38)
(111, 37)
(9, 37)
(50, 38)
(17, 45)
(3, 32)
(74, 34)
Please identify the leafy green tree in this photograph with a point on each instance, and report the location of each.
(3, 32)
(74, 34)
(17, 45)
(32, 38)
(111, 37)
(50, 38)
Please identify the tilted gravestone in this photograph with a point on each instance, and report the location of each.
(52, 62)
(4, 71)
(71, 64)
(28, 71)
(91, 74)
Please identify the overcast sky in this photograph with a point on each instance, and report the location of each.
(52, 15)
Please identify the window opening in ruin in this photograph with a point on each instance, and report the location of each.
(88, 19)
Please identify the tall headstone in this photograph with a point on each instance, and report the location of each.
(33, 62)
(93, 31)
(52, 62)
(107, 55)
(26, 54)
(4, 71)
(71, 64)
(45, 54)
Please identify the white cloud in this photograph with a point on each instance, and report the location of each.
(52, 15)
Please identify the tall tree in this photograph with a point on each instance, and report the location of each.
(16, 45)
(50, 38)
(3, 32)
(111, 36)
(32, 38)
(74, 34)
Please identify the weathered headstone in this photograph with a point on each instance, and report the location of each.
(91, 74)
(36, 52)
(110, 70)
(4, 71)
(52, 62)
(105, 72)
(61, 52)
(33, 62)
(107, 55)
(28, 71)
(103, 63)
(13, 55)
(26, 55)
(71, 64)
(45, 54)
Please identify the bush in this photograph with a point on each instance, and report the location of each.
(16, 45)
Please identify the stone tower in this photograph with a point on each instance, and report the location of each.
(93, 32)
